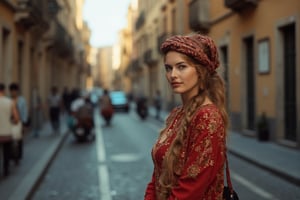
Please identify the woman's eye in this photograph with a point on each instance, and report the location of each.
(168, 68)
(181, 67)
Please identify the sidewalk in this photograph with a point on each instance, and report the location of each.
(38, 154)
(279, 160)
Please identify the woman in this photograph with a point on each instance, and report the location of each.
(106, 107)
(189, 154)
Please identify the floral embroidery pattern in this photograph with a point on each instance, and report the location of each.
(201, 159)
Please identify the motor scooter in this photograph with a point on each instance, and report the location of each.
(83, 129)
(82, 125)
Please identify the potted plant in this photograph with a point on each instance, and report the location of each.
(263, 128)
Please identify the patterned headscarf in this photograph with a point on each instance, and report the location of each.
(199, 47)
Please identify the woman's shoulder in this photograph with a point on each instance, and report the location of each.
(208, 118)
(207, 111)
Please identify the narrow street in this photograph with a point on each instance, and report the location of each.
(57, 55)
(118, 166)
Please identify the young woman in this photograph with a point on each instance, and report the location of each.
(106, 107)
(189, 154)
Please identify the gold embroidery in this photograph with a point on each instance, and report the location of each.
(212, 123)
(206, 121)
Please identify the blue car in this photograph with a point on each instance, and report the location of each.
(119, 101)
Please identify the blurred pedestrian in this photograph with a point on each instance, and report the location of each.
(76, 102)
(55, 104)
(66, 98)
(86, 109)
(189, 154)
(19, 128)
(106, 107)
(21, 103)
(142, 106)
(8, 116)
(157, 104)
(36, 113)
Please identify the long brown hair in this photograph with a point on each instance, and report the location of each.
(212, 86)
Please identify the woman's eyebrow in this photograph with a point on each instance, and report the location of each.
(176, 64)
(180, 63)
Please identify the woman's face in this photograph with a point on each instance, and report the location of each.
(181, 74)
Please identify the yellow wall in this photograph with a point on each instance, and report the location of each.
(261, 24)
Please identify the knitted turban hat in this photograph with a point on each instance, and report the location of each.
(200, 47)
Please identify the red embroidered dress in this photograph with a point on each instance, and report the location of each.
(201, 175)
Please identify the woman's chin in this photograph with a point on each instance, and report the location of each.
(177, 90)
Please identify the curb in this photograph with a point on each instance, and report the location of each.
(31, 181)
(281, 174)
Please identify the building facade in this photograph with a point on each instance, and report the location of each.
(43, 43)
(261, 66)
(104, 63)
(258, 43)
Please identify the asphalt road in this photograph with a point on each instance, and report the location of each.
(118, 166)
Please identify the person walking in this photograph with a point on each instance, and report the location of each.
(157, 104)
(106, 108)
(19, 128)
(36, 113)
(189, 154)
(8, 116)
(55, 104)
(66, 99)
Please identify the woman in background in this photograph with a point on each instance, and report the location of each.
(106, 108)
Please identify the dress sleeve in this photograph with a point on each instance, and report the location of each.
(203, 158)
(150, 190)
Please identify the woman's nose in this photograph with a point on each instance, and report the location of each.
(173, 73)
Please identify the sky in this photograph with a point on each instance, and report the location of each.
(105, 18)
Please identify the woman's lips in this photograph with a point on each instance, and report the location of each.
(175, 84)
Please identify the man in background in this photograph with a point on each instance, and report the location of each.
(55, 104)
(8, 116)
(23, 114)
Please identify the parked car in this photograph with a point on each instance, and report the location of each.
(119, 101)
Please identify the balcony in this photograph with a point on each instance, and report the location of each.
(140, 21)
(62, 43)
(150, 57)
(34, 12)
(239, 5)
(199, 16)
(8, 3)
(161, 39)
(52, 7)
(136, 65)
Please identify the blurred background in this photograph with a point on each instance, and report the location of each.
(46, 43)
